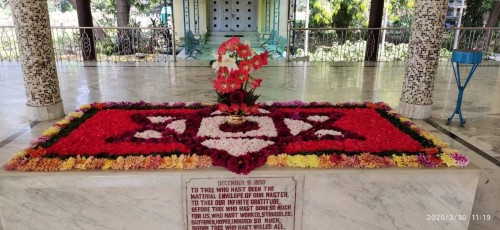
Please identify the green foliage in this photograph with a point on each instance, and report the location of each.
(338, 13)
(109, 6)
(354, 13)
(353, 51)
(473, 16)
(400, 12)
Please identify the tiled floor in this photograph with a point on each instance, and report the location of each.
(334, 82)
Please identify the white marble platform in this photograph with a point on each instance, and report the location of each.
(330, 199)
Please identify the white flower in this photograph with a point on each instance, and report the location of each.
(226, 61)
(148, 134)
(178, 126)
(159, 119)
(297, 126)
(323, 132)
(217, 112)
(318, 118)
(210, 127)
(237, 146)
(263, 111)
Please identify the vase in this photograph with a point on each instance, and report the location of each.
(235, 119)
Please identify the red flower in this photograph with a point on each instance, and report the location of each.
(256, 62)
(234, 82)
(232, 43)
(245, 67)
(39, 152)
(221, 85)
(243, 77)
(255, 83)
(222, 50)
(263, 57)
(237, 96)
(234, 108)
(244, 51)
(254, 109)
(223, 72)
(222, 107)
(243, 107)
(431, 151)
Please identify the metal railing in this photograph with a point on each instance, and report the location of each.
(154, 44)
(349, 44)
(112, 44)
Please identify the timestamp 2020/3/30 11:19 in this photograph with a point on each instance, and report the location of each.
(458, 217)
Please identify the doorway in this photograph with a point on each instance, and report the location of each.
(232, 15)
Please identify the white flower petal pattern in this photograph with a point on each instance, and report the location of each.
(237, 146)
(210, 127)
(159, 119)
(318, 118)
(217, 112)
(323, 132)
(297, 126)
(178, 126)
(148, 134)
(263, 111)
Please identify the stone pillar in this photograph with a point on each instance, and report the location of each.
(423, 57)
(31, 20)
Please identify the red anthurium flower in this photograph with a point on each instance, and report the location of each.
(223, 72)
(256, 62)
(223, 107)
(255, 83)
(244, 51)
(245, 67)
(263, 57)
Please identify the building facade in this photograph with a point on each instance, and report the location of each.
(205, 16)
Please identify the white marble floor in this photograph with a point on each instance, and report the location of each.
(334, 82)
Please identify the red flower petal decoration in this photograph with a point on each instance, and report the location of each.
(255, 83)
(256, 62)
(244, 51)
(263, 57)
(245, 67)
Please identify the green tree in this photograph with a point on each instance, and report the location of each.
(475, 11)
(121, 8)
(338, 13)
(401, 12)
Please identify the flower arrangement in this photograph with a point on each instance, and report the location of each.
(127, 135)
(234, 85)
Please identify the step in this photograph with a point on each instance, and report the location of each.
(222, 33)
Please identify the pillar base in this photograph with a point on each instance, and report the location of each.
(415, 111)
(45, 113)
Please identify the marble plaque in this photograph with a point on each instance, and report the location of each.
(240, 203)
